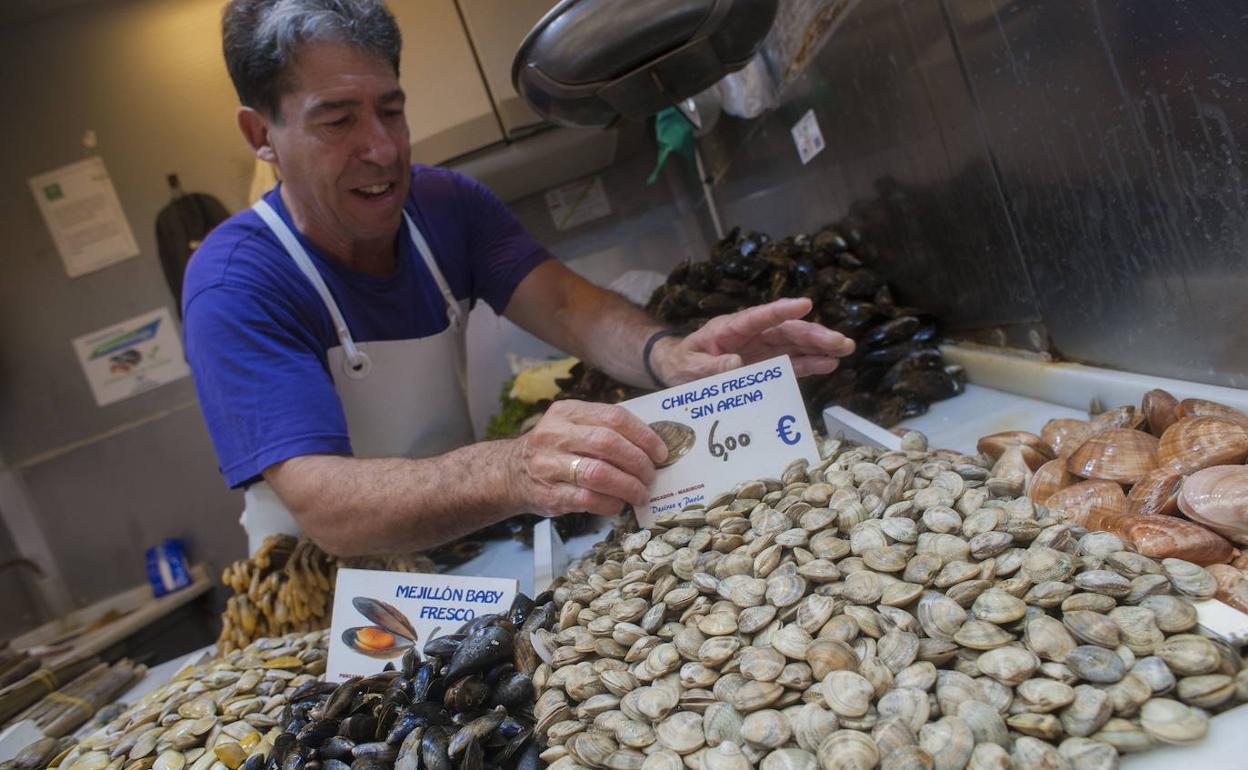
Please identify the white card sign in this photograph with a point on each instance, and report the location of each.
(131, 357)
(379, 615)
(745, 424)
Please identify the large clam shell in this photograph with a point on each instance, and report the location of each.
(1120, 455)
(1118, 417)
(1064, 436)
(1218, 498)
(1198, 407)
(1172, 537)
(1078, 501)
(1160, 410)
(1200, 442)
(1035, 451)
(1156, 494)
(1048, 479)
(1232, 585)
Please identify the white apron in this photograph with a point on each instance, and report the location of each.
(402, 398)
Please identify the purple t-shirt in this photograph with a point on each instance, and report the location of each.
(257, 333)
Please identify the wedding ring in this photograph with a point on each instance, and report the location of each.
(573, 468)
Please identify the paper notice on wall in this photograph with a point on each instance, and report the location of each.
(131, 357)
(577, 202)
(81, 209)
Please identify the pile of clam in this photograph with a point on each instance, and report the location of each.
(1168, 477)
(217, 715)
(895, 609)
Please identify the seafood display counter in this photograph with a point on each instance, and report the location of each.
(966, 627)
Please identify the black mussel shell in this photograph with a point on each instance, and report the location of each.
(476, 730)
(466, 694)
(254, 762)
(520, 608)
(515, 691)
(297, 758)
(927, 385)
(529, 758)
(337, 747)
(360, 728)
(483, 648)
(433, 749)
(376, 750)
(370, 763)
(385, 615)
(334, 764)
(481, 621)
(892, 331)
(316, 732)
(443, 646)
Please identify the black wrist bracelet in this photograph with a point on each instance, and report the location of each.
(649, 348)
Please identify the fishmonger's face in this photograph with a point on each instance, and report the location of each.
(342, 144)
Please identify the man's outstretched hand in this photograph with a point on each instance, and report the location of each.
(747, 336)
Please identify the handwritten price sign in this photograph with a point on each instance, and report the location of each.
(741, 425)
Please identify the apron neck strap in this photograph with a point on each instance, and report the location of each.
(454, 313)
(357, 363)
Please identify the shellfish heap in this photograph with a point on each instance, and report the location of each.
(1180, 462)
(218, 714)
(288, 587)
(896, 370)
(894, 609)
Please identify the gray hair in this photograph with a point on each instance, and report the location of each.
(262, 37)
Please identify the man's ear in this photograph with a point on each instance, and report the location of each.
(255, 128)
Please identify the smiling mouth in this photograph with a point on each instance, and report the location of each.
(375, 190)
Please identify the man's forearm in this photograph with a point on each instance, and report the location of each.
(353, 506)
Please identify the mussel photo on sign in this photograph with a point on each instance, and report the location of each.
(391, 635)
(897, 369)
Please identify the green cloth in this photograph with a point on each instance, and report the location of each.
(674, 133)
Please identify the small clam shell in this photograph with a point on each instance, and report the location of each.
(1034, 754)
(985, 723)
(1041, 696)
(721, 722)
(1189, 579)
(811, 725)
(847, 693)
(1092, 628)
(1206, 691)
(826, 655)
(1008, 665)
(767, 728)
(726, 756)
(763, 664)
(1095, 664)
(752, 696)
(847, 750)
(681, 732)
(949, 740)
(1089, 754)
(898, 649)
(940, 616)
(1048, 638)
(790, 759)
(1189, 655)
(982, 635)
(907, 704)
(1170, 721)
(989, 756)
(1090, 710)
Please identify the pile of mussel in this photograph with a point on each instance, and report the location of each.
(465, 705)
(896, 371)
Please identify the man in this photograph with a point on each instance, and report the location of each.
(325, 327)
